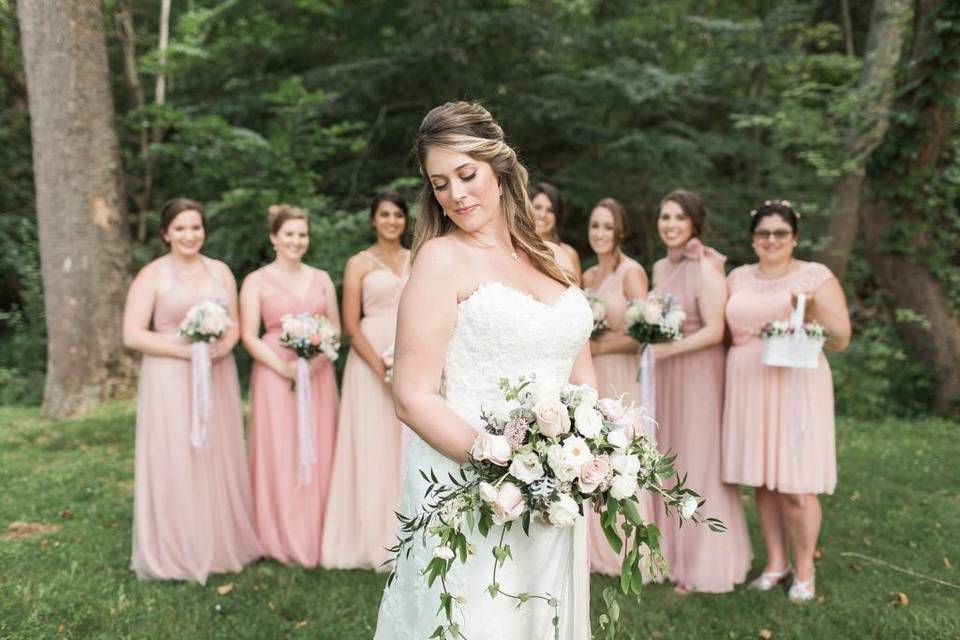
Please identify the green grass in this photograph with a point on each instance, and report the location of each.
(897, 500)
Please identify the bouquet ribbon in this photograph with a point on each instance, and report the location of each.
(200, 370)
(647, 377)
(305, 453)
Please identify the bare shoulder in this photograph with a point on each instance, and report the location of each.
(560, 255)
(438, 255)
(570, 251)
(588, 277)
(220, 268)
(323, 275)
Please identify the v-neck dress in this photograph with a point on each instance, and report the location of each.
(192, 509)
(289, 514)
(361, 522)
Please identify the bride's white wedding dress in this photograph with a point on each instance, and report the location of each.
(500, 332)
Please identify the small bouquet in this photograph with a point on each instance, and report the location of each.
(657, 319)
(307, 335)
(599, 309)
(793, 343)
(542, 456)
(205, 322)
(387, 356)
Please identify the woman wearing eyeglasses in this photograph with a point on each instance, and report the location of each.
(778, 424)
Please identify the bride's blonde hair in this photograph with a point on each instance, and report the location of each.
(468, 128)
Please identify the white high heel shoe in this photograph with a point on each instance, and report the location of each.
(801, 591)
(769, 579)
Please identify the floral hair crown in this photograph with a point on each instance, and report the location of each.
(782, 203)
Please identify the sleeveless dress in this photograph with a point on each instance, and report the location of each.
(616, 375)
(500, 332)
(360, 523)
(690, 412)
(192, 509)
(778, 423)
(289, 514)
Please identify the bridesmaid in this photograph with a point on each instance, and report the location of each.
(289, 513)
(778, 428)
(689, 394)
(548, 212)
(367, 467)
(616, 279)
(192, 510)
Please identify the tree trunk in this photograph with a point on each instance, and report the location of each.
(887, 22)
(82, 220)
(904, 176)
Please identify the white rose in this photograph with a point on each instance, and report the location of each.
(652, 313)
(676, 317)
(502, 413)
(563, 511)
(444, 553)
(688, 507)
(588, 421)
(626, 464)
(618, 439)
(560, 463)
(599, 310)
(496, 449)
(488, 493)
(623, 486)
(577, 452)
(526, 467)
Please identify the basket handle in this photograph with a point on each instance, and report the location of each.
(797, 320)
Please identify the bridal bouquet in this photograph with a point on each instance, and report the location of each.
(657, 319)
(307, 335)
(545, 457)
(599, 309)
(204, 322)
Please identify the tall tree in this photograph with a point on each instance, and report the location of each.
(887, 23)
(909, 202)
(82, 219)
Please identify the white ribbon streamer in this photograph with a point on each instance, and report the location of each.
(647, 377)
(200, 370)
(306, 455)
(798, 377)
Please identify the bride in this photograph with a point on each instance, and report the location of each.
(486, 299)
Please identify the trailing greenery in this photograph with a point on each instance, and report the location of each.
(896, 502)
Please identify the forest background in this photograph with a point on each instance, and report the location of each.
(846, 108)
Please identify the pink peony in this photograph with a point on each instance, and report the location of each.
(552, 418)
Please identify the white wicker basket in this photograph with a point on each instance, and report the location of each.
(797, 350)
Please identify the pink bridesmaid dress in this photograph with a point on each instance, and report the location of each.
(616, 375)
(192, 509)
(690, 412)
(289, 513)
(778, 423)
(367, 467)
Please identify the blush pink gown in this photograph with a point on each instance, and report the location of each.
(690, 412)
(367, 469)
(192, 509)
(778, 423)
(289, 514)
(616, 375)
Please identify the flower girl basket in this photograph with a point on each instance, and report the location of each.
(796, 349)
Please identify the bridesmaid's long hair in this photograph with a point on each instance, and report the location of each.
(468, 128)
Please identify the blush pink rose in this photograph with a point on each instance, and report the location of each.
(508, 504)
(612, 408)
(552, 418)
(496, 449)
(593, 474)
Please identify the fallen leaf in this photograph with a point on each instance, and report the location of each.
(301, 624)
(946, 563)
(44, 544)
(853, 566)
(270, 605)
(766, 634)
(656, 633)
(855, 496)
(225, 588)
(19, 530)
(42, 439)
(899, 599)
(817, 553)
(59, 629)
(66, 514)
(821, 599)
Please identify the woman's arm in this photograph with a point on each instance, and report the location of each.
(333, 315)
(229, 340)
(583, 372)
(425, 324)
(711, 304)
(136, 320)
(250, 330)
(574, 258)
(635, 288)
(827, 304)
(357, 268)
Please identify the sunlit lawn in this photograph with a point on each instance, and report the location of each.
(898, 501)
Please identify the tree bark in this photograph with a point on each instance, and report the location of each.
(887, 23)
(82, 219)
(902, 177)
